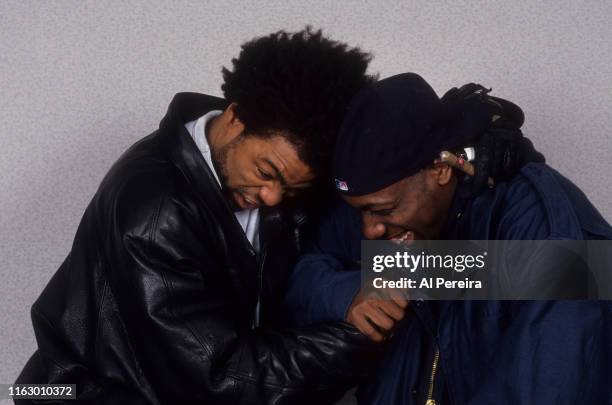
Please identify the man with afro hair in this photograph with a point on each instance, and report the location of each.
(171, 292)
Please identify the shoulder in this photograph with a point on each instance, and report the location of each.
(513, 210)
(540, 203)
(143, 188)
(522, 212)
(568, 205)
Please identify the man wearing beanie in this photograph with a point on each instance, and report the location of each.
(393, 185)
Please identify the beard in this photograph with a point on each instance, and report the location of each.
(219, 159)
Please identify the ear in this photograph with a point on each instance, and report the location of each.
(231, 120)
(443, 173)
(230, 112)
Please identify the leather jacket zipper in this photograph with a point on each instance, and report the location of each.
(432, 377)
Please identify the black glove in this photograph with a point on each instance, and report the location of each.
(497, 156)
(500, 154)
(508, 114)
(501, 150)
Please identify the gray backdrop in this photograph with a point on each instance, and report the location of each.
(82, 80)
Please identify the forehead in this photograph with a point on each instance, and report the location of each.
(385, 196)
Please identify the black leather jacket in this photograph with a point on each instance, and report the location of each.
(155, 303)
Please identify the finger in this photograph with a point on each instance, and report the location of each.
(392, 310)
(365, 327)
(379, 318)
(399, 298)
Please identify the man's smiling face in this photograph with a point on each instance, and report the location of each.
(258, 171)
(412, 208)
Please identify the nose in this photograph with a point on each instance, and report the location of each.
(372, 228)
(271, 194)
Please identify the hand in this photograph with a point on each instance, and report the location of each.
(375, 313)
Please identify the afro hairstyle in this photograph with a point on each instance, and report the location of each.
(299, 85)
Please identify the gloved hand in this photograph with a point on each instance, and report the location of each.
(501, 150)
(498, 155)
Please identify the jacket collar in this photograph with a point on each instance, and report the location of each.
(184, 154)
(458, 214)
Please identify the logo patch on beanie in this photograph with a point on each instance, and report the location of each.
(341, 185)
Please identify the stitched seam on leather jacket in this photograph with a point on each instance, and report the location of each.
(205, 346)
(50, 325)
(137, 365)
(168, 284)
(98, 321)
(124, 330)
(154, 223)
(237, 375)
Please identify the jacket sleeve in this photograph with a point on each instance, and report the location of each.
(319, 290)
(182, 324)
(324, 282)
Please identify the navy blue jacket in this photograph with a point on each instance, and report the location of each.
(502, 352)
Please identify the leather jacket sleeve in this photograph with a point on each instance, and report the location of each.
(184, 329)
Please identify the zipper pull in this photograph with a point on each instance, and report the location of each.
(430, 402)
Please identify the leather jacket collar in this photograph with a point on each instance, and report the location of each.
(184, 154)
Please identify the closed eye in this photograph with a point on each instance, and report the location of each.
(264, 175)
(382, 213)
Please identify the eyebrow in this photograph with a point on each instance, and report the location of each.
(282, 180)
(376, 205)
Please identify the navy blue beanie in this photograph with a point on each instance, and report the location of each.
(396, 127)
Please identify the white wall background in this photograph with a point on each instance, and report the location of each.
(82, 80)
